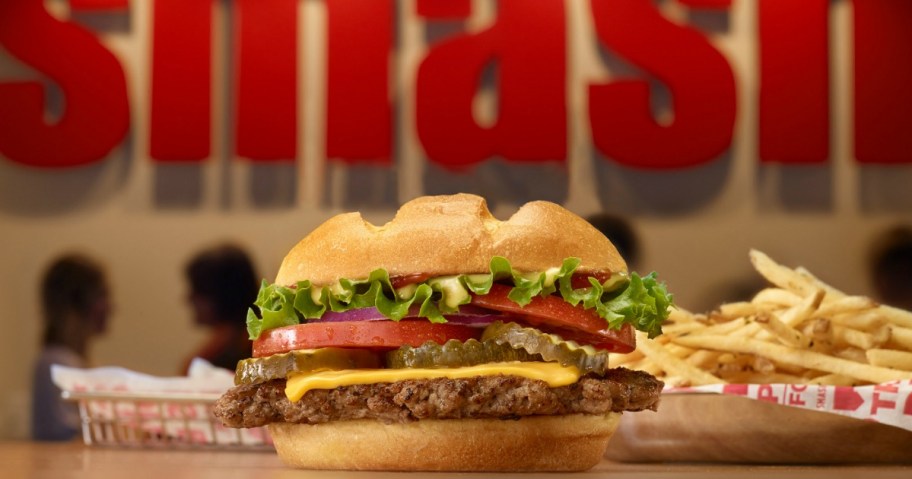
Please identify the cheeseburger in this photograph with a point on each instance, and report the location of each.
(449, 340)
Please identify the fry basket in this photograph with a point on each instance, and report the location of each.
(160, 420)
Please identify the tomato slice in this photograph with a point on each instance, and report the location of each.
(553, 314)
(380, 335)
(405, 280)
(582, 280)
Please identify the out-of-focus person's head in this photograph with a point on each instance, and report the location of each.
(223, 284)
(75, 301)
(621, 233)
(891, 266)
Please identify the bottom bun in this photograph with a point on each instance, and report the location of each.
(538, 443)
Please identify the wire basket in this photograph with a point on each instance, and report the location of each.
(160, 420)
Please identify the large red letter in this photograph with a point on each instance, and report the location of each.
(444, 9)
(708, 4)
(96, 115)
(99, 5)
(181, 80)
(528, 45)
(794, 81)
(700, 80)
(267, 78)
(883, 81)
(358, 109)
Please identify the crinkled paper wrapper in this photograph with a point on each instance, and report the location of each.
(163, 410)
(772, 424)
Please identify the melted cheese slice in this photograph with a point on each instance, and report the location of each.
(552, 373)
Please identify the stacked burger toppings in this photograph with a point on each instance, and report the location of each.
(441, 323)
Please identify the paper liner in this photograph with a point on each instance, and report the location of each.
(719, 428)
(166, 415)
(888, 403)
(202, 378)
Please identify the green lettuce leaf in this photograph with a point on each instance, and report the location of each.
(642, 302)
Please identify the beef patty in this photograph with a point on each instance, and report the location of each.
(503, 397)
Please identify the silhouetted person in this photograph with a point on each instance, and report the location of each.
(621, 233)
(891, 267)
(75, 308)
(223, 285)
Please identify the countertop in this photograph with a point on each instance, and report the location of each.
(75, 460)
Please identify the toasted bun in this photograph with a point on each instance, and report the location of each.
(443, 235)
(538, 443)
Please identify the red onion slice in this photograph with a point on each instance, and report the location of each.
(468, 314)
(361, 314)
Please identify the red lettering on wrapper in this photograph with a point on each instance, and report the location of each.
(845, 398)
(765, 393)
(821, 397)
(735, 389)
(878, 402)
(795, 396)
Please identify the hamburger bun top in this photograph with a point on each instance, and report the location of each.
(444, 235)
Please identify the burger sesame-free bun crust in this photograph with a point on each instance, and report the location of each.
(443, 235)
(537, 443)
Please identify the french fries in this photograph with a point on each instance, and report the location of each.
(798, 330)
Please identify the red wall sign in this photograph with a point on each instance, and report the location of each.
(528, 45)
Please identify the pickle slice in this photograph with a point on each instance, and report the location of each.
(550, 347)
(454, 354)
(256, 370)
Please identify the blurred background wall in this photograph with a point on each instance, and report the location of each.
(144, 219)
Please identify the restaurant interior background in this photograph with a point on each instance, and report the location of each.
(807, 194)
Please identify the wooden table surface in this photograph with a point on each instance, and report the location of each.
(75, 460)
